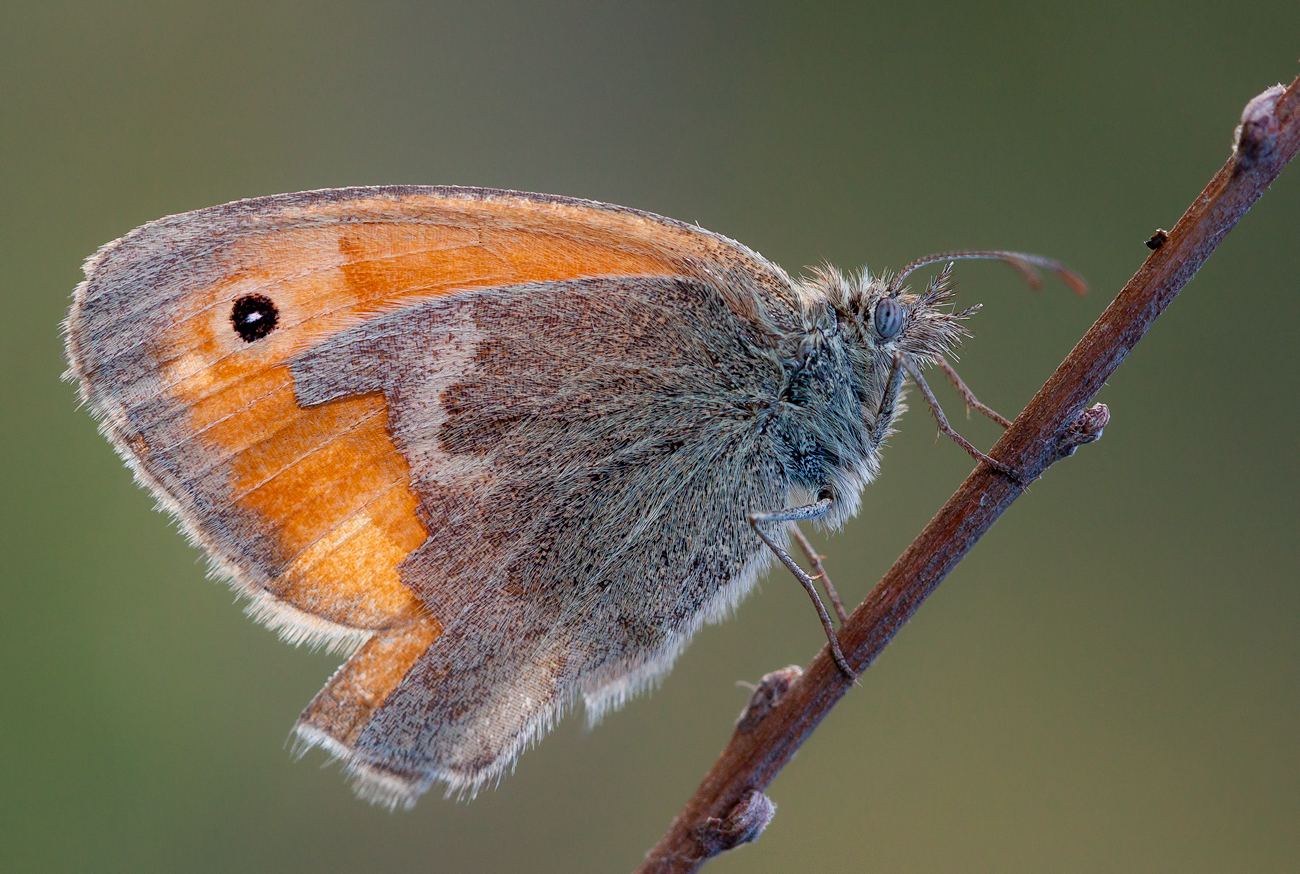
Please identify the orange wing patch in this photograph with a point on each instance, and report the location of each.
(313, 506)
(341, 710)
(328, 480)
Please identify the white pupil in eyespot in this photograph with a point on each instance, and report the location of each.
(888, 318)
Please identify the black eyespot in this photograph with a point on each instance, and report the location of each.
(253, 317)
(888, 318)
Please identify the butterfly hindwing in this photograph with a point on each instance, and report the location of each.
(579, 484)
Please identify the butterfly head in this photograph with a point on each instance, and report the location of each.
(890, 320)
(884, 319)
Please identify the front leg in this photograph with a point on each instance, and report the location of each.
(888, 403)
(811, 511)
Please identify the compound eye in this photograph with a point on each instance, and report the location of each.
(888, 318)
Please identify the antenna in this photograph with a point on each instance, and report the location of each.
(1021, 261)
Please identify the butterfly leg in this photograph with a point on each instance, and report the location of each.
(944, 427)
(888, 403)
(816, 561)
(969, 396)
(811, 511)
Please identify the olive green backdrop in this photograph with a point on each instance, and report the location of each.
(1111, 681)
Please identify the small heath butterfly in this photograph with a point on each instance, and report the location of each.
(508, 450)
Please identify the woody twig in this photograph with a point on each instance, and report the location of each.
(728, 807)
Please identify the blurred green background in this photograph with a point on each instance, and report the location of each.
(1110, 682)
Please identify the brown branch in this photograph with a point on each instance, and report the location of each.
(725, 809)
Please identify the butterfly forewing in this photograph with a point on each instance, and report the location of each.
(327, 389)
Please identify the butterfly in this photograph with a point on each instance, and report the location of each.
(506, 450)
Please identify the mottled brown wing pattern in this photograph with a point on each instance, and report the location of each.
(310, 508)
(585, 473)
